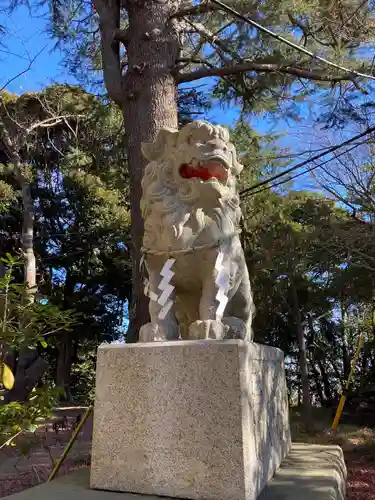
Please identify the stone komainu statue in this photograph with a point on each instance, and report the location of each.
(198, 282)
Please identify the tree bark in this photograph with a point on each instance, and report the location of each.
(12, 146)
(28, 236)
(306, 402)
(149, 104)
(326, 399)
(326, 383)
(65, 343)
(64, 364)
(318, 385)
(30, 369)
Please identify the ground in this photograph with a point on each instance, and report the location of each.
(31, 461)
(357, 442)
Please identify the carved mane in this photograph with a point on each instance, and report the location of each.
(171, 205)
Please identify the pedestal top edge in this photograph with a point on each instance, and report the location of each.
(255, 348)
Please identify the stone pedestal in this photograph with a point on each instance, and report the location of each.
(201, 420)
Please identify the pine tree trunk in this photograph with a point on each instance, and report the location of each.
(65, 343)
(64, 364)
(326, 383)
(150, 103)
(30, 367)
(28, 238)
(317, 379)
(306, 402)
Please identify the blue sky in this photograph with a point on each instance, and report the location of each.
(27, 39)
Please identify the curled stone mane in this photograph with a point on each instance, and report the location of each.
(169, 202)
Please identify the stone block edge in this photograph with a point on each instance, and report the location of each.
(253, 349)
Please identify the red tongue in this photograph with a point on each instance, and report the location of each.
(187, 171)
(209, 171)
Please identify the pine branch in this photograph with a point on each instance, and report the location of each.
(248, 66)
(261, 28)
(31, 62)
(213, 39)
(50, 122)
(109, 23)
(194, 10)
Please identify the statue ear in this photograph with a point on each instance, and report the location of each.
(166, 138)
(237, 166)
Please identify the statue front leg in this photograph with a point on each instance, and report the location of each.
(209, 325)
(163, 325)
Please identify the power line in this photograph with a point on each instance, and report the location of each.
(265, 188)
(305, 162)
(247, 20)
(286, 156)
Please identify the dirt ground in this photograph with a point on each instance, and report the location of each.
(31, 461)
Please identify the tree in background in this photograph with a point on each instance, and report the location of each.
(17, 127)
(24, 324)
(78, 186)
(147, 49)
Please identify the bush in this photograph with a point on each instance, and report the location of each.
(26, 320)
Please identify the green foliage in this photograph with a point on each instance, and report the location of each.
(7, 196)
(25, 417)
(79, 182)
(25, 322)
(83, 376)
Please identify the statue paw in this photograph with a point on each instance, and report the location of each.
(236, 328)
(152, 332)
(207, 329)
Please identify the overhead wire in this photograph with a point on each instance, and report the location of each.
(332, 149)
(308, 170)
(269, 32)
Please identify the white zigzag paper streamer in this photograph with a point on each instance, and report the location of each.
(222, 281)
(166, 288)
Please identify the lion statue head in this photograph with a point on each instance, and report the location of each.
(189, 187)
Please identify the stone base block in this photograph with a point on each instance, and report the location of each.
(200, 420)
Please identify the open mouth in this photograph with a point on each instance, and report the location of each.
(205, 171)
